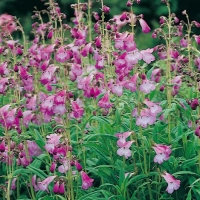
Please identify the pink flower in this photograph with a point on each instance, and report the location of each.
(86, 181)
(183, 42)
(156, 75)
(144, 25)
(147, 86)
(105, 102)
(197, 39)
(43, 185)
(173, 184)
(121, 142)
(177, 84)
(7, 23)
(125, 151)
(163, 152)
(147, 55)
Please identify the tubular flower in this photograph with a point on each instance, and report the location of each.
(144, 25)
(162, 153)
(173, 184)
(86, 181)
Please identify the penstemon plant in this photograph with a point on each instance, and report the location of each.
(85, 114)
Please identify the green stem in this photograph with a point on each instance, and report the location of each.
(32, 190)
(145, 165)
(168, 73)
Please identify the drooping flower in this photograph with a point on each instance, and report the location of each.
(121, 142)
(125, 150)
(7, 23)
(173, 184)
(147, 86)
(144, 25)
(105, 102)
(162, 153)
(86, 181)
(43, 185)
(77, 111)
(197, 39)
(78, 165)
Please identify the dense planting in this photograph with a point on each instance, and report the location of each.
(85, 114)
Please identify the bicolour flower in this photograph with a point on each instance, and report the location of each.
(162, 153)
(48, 75)
(77, 111)
(86, 181)
(63, 55)
(173, 184)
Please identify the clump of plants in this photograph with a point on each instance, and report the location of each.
(85, 114)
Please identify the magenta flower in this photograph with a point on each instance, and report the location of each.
(78, 165)
(86, 181)
(77, 111)
(56, 188)
(144, 25)
(162, 153)
(62, 188)
(106, 9)
(173, 184)
(197, 131)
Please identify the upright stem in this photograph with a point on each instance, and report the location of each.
(168, 70)
(89, 21)
(145, 165)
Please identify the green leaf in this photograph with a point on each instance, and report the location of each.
(38, 161)
(189, 196)
(184, 172)
(46, 198)
(21, 171)
(38, 172)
